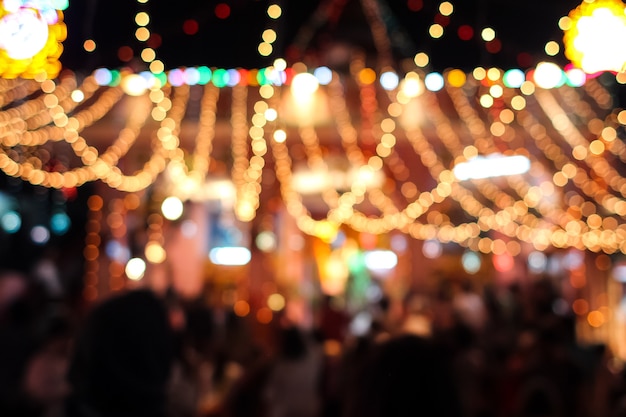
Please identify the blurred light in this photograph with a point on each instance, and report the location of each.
(155, 253)
(280, 135)
(176, 77)
(11, 222)
(276, 302)
(172, 208)
(432, 249)
(266, 241)
(495, 165)
(23, 34)
(537, 262)
(619, 272)
(191, 76)
(434, 81)
(575, 77)
(233, 77)
(103, 76)
(274, 11)
(230, 255)
(389, 80)
(552, 48)
(135, 269)
(421, 59)
(471, 262)
(134, 84)
(548, 75)
(189, 228)
(60, 223)
(590, 41)
(116, 251)
(380, 260)
(40, 235)
(513, 78)
(446, 8)
(303, 86)
(324, 75)
(361, 323)
(241, 308)
(488, 34)
(503, 262)
(411, 85)
(77, 96)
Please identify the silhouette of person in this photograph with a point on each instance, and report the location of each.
(122, 359)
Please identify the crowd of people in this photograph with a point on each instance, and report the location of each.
(459, 351)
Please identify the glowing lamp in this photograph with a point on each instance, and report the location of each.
(593, 40)
(30, 38)
(495, 165)
(548, 75)
(230, 256)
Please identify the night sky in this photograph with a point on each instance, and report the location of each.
(230, 30)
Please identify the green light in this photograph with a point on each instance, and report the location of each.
(116, 78)
(205, 75)
(220, 78)
(162, 77)
(261, 77)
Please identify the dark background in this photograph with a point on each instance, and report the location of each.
(522, 28)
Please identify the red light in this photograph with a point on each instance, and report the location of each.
(465, 32)
(494, 46)
(415, 5)
(191, 26)
(125, 53)
(155, 41)
(222, 11)
(524, 59)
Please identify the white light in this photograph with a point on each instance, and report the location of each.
(576, 77)
(514, 78)
(471, 262)
(11, 222)
(537, 262)
(230, 255)
(411, 86)
(548, 75)
(135, 269)
(596, 41)
(77, 96)
(23, 34)
(380, 260)
(434, 81)
(495, 165)
(266, 241)
(389, 80)
(40, 235)
(324, 75)
(189, 229)
(134, 84)
(172, 208)
(432, 249)
(304, 85)
(619, 272)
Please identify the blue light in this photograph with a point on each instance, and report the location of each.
(324, 75)
(434, 81)
(60, 223)
(514, 78)
(11, 222)
(103, 76)
(389, 80)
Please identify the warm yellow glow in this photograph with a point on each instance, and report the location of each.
(590, 39)
(488, 34)
(265, 49)
(276, 302)
(269, 35)
(436, 31)
(142, 18)
(89, 45)
(274, 11)
(446, 8)
(421, 59)
(552, 48)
